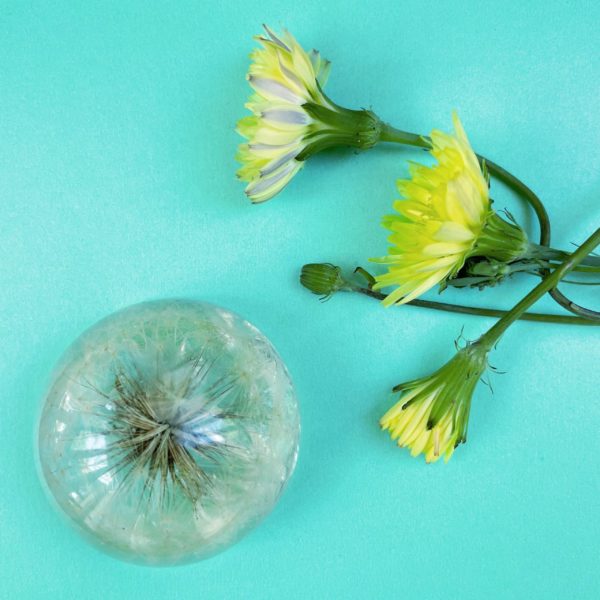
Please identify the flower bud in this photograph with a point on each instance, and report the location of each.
(432, 414)
(323, 279)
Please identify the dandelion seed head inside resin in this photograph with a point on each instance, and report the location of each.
(169, 430)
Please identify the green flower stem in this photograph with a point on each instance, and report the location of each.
(584, 268)
(572, 281)
(536, 251)
(492, 336)
(391, 134)
(484, 312)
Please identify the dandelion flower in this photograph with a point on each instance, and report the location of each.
(444, 218)
(291, 116)
(432, 414)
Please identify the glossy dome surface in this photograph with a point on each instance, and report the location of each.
(169, 430)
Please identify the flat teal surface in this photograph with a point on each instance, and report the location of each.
(117, 185)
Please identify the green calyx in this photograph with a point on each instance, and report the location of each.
(323, 279)
(500, 240)
(339, 126)
(499, 251)
(460, 375)
(502, 250)
(453, 385)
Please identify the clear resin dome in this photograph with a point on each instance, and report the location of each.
(169, 430)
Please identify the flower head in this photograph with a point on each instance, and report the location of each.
(291, 116)
(323, 279)
(444, 218)
(432, 414)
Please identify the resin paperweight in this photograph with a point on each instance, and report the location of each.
(169, 430)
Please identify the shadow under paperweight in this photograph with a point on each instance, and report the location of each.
(169, 430)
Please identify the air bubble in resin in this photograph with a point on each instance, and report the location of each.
(169, 430)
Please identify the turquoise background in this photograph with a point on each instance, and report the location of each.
(117, 185)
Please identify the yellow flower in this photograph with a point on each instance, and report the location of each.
(444, 219)
(432, 414)
(291, 116)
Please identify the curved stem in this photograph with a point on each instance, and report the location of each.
(573, 307)
(546, 253)
(525, 192)
(391, 134)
